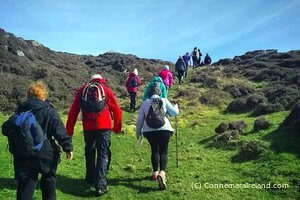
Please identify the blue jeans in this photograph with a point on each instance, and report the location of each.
(97, 169)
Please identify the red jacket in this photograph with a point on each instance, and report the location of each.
(129, 87)
(96, 121)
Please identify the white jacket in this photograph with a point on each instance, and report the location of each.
(141, 125)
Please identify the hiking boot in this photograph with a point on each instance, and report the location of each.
(154, 175)
(101, 191)
(161, 179)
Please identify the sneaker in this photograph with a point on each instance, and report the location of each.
(161, 179)
(101, 191)
(154, 176)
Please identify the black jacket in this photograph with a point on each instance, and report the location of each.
(50, 122)
(180, 65)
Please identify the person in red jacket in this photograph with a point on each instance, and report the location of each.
(132, 83)
(97, 128)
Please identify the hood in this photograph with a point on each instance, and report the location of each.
(32, 104)
(158, 79)
(132, 74)
(99, 80)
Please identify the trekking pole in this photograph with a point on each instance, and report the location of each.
(177, 161)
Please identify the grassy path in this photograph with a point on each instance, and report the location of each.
(200, 166)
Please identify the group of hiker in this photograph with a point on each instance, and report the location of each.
(37, 136)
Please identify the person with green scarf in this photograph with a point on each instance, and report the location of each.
(162, 88)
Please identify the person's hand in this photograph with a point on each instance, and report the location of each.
(69, 155)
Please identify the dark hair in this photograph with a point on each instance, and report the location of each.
(154, 89)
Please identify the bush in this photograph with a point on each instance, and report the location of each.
(214, 97)
(237, 106)
(238, 91)
(221, 128)
(261, 124)
(294, 117)
(249, 151)
(264, 108)
(254, 100)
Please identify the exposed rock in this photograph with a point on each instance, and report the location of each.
(20, 53)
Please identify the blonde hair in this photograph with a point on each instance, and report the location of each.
(38, 90)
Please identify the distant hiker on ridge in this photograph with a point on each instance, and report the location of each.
(99, 107)
(162, 87)
(199, 58)
(186, 59)
(132, 83)
(155, 126)
(207, 59)
(195, 56)
(180, 68)
(166, 76)
(37, 118)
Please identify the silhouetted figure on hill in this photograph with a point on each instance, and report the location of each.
(180, 68)
(199, 58)
(207, 59)
(186, 59)
(195, 56)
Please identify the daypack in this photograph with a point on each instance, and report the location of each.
(93, 99)
(156, 115)
(134, 82)
(25, 136)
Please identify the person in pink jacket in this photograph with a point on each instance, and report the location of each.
(166, 76)
(132, 83)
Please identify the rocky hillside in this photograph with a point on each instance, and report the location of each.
(23, 61)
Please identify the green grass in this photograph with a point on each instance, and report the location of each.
(199, 164)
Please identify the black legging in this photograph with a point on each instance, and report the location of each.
(159, 141)
(132, 100)
(180, 74)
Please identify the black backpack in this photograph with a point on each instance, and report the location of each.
(93, 99)
(156, 115)
(134, 82)
(26, 138)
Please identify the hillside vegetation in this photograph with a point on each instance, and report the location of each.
(238, 128)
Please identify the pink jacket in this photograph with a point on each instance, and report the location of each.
(167, 77)
(129, 87)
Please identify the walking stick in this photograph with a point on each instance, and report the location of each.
(177, 161)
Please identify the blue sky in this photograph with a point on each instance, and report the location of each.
(162, 29)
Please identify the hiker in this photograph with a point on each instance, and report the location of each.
(207, 59)
(186, 59)
(162, 86)
(167, 76)
(45, 159)
(157, 129)
(195, 56)
(99, 107)
(180, 68)
(132, 83)
(199, 58)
